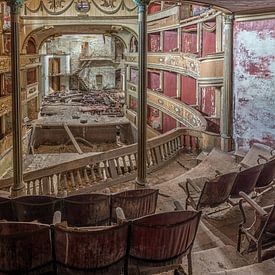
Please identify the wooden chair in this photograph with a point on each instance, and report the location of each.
(86, 209)
(256, 151)
(246, 181)
(35, 208)
(208, 193)
(91, 250)
(267, 175)
(135, 203)
(261, 234)
(26, 248)
(6, 212)
(160, 241)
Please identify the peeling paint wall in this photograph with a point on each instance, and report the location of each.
(153, 80)
(208, 101)
(254, 82)
(188, 90)
(170, 40)
(189, 39)
(168, 123)
(170, 84)
(154, 42)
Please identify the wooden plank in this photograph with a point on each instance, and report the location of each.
(71, 136)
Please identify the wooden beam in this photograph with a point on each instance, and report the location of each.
(71, 136)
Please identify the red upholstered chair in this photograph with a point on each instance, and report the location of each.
(25, 247)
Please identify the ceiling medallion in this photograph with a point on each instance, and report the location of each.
(82, 5)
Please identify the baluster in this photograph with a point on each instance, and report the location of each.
(190, 143)
(184, 142)
(28, 187)
(34, 188)
(93, 172)
(167, 150)
(118, 166)
(72, 179)
(148, 159)
(86, 177)
(45, 185)
(197, 140)
(65, 182)
(125, 165)
(51, 178)
(100, 171)
(135, 157)
(131, 163)
(153, 156)
(106, 168)
(78, 177)
(40, 189)
(59, 185)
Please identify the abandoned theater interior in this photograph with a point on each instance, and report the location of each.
(137, 137)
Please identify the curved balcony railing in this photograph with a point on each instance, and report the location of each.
(115, 166)
(182, 63)
(178, 110)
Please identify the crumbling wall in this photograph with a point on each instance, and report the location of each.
(254, 82)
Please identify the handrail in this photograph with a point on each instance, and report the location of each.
(107, 168)
(177, 109)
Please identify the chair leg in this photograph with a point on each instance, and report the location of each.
(259, 252)
(239, 240)
(189, 259)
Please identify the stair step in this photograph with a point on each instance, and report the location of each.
(216, 259)
(264, 268)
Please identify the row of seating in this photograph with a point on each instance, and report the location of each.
(80, 210)
(205, 192)
(251, 177)
(155, 242)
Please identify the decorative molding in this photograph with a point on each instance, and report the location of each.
(5, 64)
(174, 108)
(59, 7)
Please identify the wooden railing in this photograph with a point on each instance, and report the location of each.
(112, 167)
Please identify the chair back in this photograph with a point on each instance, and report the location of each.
(267, 175)
(252, 156)
(25, 247)
(246, 181)
(162, 237)
(6, 212)
(98, 250)
(135, 203)
(217, 191)
(86, 209)
(269, 226)
(35, 208)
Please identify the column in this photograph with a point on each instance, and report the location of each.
(179, 40)
(18, 184)
(142, 92)
(161, 41)
(161, 78)
(227, 95)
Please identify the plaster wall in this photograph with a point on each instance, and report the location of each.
(153, 80)
(208, 40)
(153, 42)
(254, 83)
(170, 40)
(188, 90)
(189, 40)
(168, 123)
(170, 84)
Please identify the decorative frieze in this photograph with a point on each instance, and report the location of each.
(177, 109)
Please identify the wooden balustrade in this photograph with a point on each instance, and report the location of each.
(112, 167)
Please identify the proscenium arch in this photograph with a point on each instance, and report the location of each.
(59, 30)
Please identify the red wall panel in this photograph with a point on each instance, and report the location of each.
(208, 101)
(154, 7)
(188, 90)
(154, 42)
(170, 84)
(208, 41)
(168, 123)
(134, 75)
(189, 39)
(133, 103)
(170, 40)
(153, 80)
